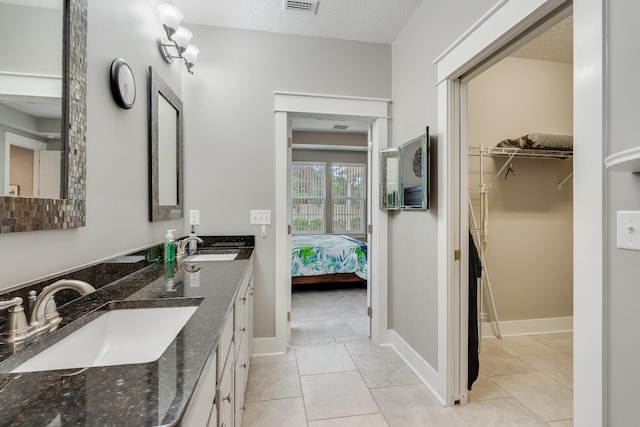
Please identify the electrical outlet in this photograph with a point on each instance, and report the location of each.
(194, 217)
(260, 217)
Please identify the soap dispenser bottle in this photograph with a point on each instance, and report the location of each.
(169, 247)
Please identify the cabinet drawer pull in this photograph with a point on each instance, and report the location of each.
(228, 398)
(243, 329)
(243, 366)
(243, 299)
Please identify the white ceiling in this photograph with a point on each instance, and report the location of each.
(377, 21)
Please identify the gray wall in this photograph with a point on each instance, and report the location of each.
(117, 219)
(230, 129)
(623, 193)
(413, 236)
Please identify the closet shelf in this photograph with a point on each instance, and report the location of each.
(624, 161)
(520, 152)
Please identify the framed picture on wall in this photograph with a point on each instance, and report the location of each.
(14, 190)
(414, 173)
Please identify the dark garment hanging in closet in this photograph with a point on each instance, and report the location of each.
(475, 271)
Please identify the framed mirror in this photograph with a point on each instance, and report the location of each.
(39, 106)
(389, 179)
(414, 173)
(165, 151)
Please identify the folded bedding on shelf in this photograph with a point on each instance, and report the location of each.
(540, 141)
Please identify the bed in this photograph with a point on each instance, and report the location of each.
(327, 258)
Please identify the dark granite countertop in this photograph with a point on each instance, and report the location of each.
(147, 394)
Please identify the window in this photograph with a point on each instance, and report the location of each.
(344, 212)
(308, 197)
(348, 193)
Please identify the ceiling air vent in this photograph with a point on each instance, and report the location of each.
(340, 127)
(301, 6)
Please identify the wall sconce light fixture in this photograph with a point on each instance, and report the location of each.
(176, 43)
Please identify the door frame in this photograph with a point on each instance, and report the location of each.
(501, 26)
(374, 111)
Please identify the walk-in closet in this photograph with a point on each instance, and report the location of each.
(519, 126)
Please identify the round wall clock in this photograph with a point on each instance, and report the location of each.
(123, 84)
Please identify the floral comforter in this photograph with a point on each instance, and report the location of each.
(316, 254)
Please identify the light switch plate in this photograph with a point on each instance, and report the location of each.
(260, 217)
(628, 230)
(194, 217)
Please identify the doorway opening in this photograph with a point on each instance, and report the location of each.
(518, 150)
(374, 112)
(330, 195)
(508, 26)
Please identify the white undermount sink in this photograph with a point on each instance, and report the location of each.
(211, 257)
(117, 337)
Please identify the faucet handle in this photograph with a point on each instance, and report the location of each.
(16, 327)
(10, 303)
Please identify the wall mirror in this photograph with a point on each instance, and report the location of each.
(165, 150)
(414, 173)
(43, 115)
(389, 179)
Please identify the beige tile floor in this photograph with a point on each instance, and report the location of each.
(333, 376)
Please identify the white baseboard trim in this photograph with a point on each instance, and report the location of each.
(266, 347)
(418, 365)
(548, 325)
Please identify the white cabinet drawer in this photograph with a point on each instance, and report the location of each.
(241, 303)
(225, 397)
(202, 402)
(224, 344)
(240, 380)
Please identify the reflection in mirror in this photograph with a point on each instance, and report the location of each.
(31, 98)
(389, 179)
(165, 147)
(42, 114)
(167, 153)
(32, 167)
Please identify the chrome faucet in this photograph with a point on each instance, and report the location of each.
(181, 246)
(44, 308)
(44, 313)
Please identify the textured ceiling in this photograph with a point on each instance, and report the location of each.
(377, 21)
(555, 44)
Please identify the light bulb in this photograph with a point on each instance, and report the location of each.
(182, 36)
(171, 17)
(191, 54)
